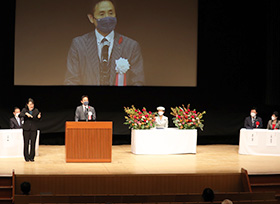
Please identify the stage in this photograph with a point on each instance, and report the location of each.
(209, 159)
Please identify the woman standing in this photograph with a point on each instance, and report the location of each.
(274, 123)
(30, 117)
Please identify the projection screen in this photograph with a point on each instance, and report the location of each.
(154, 43)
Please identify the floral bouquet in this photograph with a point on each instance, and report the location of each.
(139, 120)
(186, 118)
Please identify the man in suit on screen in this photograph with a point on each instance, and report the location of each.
(104, 57)
(16, 122)
(85, 112)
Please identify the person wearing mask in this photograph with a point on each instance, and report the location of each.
(85, 112)
(30, 116)
(274, 123)
(161, 120)
(92, 57)
(15, 122)
(253, 121)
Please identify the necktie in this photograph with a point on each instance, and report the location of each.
(18, 121)
(104, 68)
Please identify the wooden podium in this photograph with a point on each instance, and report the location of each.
(88, 141)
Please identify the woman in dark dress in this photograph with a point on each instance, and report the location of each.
(30, 117)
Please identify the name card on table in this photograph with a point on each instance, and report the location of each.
(271, 139)
(253, 139)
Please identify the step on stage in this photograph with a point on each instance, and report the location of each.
(209, 159)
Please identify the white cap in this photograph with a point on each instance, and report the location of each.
(161, 108)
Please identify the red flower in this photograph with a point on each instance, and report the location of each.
(120, 40)
(139, 112)
(150, 112)
(194, 111)
(192, 116)
(257, 123)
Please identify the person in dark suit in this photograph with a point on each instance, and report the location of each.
(274, 123)
(30, 115)
(253, 121)
(92, 57)
(16, 122)
(85, 112)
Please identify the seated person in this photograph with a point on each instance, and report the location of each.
(16, 122)
(85, 112)
(227, 201)
(253, 121)
(161, 120)
(274, 123)
(208, 195)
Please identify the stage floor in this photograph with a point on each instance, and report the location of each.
(209, 159)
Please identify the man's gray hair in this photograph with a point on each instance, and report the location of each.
(227, 201)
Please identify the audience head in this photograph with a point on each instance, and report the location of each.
(84, 100)
(208, 195)
(227, 201)
(16, 111)
(253, 112)
(30, 104)
(274, 115)
(25, 187)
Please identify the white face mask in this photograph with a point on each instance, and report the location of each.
(17, 114)
(160, 113)
(273, 118)
(253, 114)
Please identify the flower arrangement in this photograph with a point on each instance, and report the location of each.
(186, 118)
(139, 120)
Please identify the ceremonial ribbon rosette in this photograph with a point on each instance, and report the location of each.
(122, 66)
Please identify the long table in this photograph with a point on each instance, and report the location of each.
(163, 141)
(259, 142)
(11, 143)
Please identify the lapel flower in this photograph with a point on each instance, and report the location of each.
(120, 40)
(122, 66)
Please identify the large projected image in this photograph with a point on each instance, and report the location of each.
(106, 43)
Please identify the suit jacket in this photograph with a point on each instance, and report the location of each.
(30, 123)
(80, 114)
(249, 125)
(269, 125)
(162, 123)
(14, 123)
(83, 63)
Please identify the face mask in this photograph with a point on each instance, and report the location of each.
(253, 114)
(273, 118)
(86, 103)
(107, 24)
(17, 114)
(160, 113)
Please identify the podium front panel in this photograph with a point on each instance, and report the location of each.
(88, 141)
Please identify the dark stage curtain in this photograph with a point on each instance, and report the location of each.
(273, 53)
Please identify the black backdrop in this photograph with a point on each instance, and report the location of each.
(238, 67)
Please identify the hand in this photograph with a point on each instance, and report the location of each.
(39, 115)
(28, 115)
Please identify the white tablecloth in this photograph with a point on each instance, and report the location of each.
(163, 141)
(11, 143)
(259, 142)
